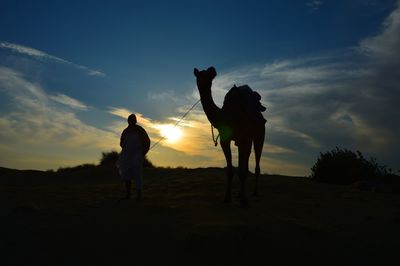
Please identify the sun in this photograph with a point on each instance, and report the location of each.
(170, 133)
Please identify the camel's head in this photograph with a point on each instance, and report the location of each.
(204, 78)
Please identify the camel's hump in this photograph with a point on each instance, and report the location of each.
(244, 103)
(243, 97)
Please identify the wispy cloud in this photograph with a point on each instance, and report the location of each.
(384, 47)
(164, 95)
(119, 111)
(37, 128)
(68, 101)
(25, 50)
(314, 5)
(122, 112)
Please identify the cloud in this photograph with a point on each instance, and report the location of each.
(310, 70)
(25, 50)
(37, 128)
(361, 130)
(164, 95)
(68, 101)
(384, 47)
(314, 5)
(141, 119)
(378, 100)
(29, 51)
(96, 73)
(121, 112)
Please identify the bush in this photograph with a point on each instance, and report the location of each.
(111, 158)
(341, 166)
(82, 167)
(147, 163)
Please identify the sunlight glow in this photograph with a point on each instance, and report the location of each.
(172, 134)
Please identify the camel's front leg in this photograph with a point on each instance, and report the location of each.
(226, 147)
(244, 154)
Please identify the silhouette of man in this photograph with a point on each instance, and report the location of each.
(135, 143)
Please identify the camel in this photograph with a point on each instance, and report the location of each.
(237, 123)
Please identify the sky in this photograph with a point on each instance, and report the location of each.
(72, 71)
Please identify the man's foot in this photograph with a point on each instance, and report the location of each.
(244, 202)
(139, 195)
(228, 198)
(126, 197)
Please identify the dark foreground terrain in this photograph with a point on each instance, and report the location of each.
(76, 217)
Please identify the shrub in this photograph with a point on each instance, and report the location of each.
(342, 166)
(111, 158)
(85, 166)
(147, 163)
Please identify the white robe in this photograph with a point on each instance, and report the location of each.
(131, 159)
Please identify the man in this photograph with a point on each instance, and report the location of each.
(135, 143)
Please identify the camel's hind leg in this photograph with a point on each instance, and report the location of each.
(226, 147)
(258, 147)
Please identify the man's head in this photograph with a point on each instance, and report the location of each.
(132, 120)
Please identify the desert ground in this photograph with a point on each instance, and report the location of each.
(77, 217)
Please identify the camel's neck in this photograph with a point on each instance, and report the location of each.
(213, 112)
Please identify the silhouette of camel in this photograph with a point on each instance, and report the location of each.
(239, 120)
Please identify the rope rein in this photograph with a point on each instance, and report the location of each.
(215, 140)
(176, 124)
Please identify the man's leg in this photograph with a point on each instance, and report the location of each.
(128, 185)
(139, 186)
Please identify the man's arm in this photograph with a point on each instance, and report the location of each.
(146, 141)
(122, 138)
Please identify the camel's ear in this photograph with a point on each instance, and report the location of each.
(212, 71)
(196, 72)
